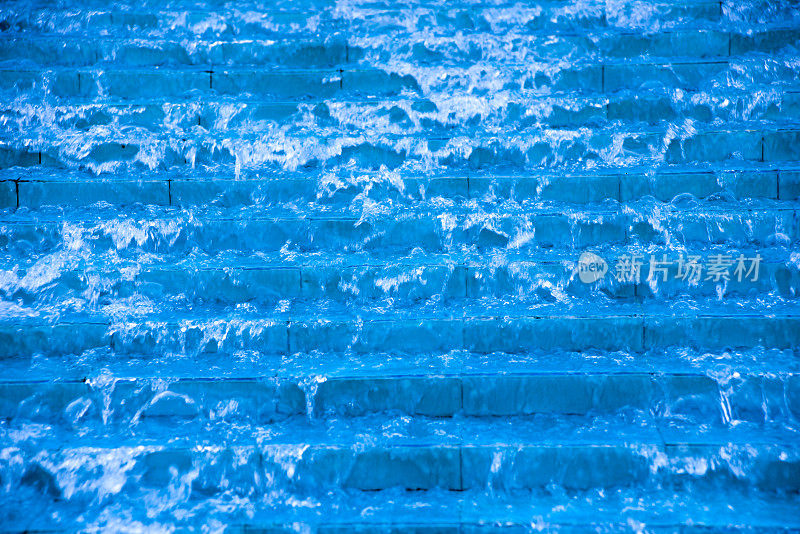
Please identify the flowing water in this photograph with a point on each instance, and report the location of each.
(356, 266)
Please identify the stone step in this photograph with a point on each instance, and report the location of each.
(167, 231)
(733, 371)
(316, 85)
(469, 512)
(677, 393)
(254, 21)
(522, 280)
(652, 107)
(406, 333)
(502, 48)
(87, 51)
(155, 83)
(333, 50)
(522, 151)
(37, 187)
(544, 16)
(413, 454)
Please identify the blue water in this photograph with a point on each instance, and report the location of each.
(318, 266)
